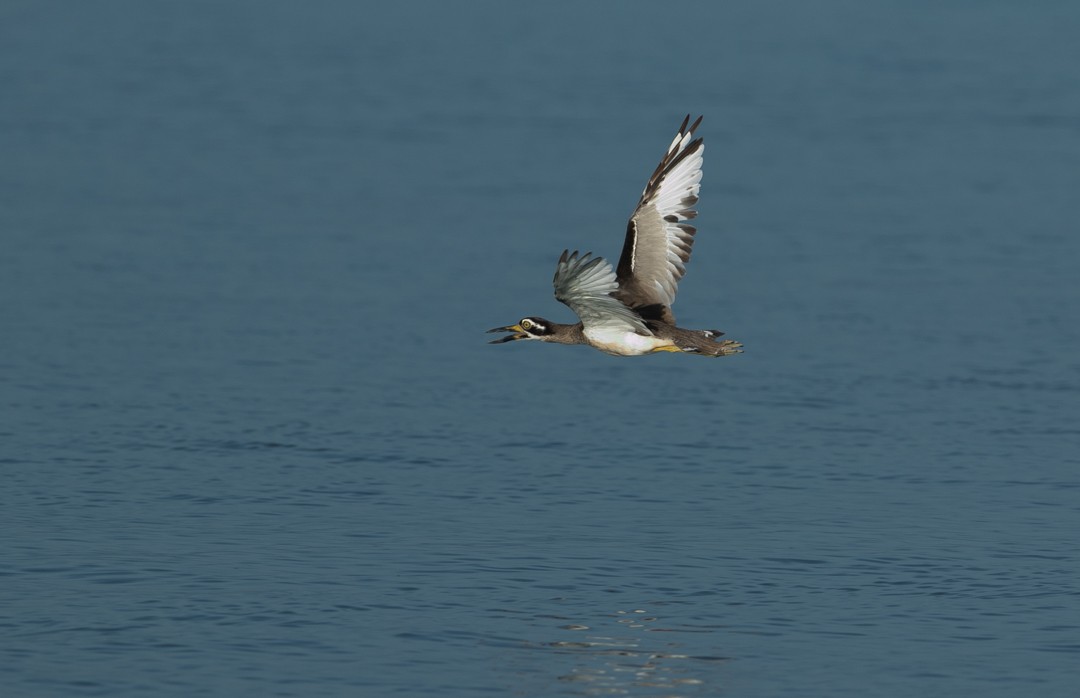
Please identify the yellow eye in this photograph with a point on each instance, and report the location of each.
(526, 324)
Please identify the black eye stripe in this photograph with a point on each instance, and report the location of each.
(533, 326)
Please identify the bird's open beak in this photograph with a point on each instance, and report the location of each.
(518, 333)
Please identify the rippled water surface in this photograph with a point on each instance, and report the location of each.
(253, 441)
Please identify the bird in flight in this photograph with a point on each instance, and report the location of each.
(627, 312)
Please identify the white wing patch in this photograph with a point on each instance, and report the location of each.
(585, 283)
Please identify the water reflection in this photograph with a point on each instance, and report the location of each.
(625, 654)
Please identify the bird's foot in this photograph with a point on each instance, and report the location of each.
(728, 347)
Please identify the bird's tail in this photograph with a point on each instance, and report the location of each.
(705, 343)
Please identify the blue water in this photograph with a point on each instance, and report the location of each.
(253, 441)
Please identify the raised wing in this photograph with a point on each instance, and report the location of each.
(585, 283)
(658, 243)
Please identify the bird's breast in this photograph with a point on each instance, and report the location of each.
(622, 342)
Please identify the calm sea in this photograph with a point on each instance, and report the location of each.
(253, 442)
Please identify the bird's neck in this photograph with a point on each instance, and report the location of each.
(566, 334)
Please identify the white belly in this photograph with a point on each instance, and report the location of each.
(619, 342)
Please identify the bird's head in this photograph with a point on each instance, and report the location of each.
(527, 328)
